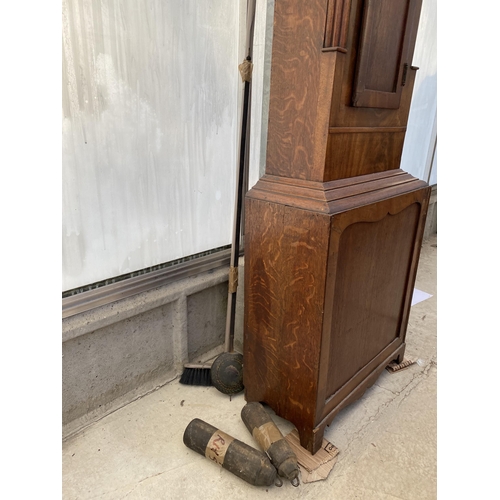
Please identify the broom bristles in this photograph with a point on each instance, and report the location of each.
(196, 376)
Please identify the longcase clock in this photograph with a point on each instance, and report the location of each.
(334, 228)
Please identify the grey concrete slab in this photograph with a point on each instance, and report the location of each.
(102, 365)
(123, 350)
(206, 320)
(398, 462)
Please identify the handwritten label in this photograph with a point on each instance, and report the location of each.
(217, 446)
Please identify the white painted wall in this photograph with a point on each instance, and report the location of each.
(421, 134)
(262, 49)
(151, 93)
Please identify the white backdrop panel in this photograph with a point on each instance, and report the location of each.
(151, 93)
(419, 140)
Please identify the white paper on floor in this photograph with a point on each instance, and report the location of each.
(419, 296)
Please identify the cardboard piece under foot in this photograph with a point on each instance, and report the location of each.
(313, 467)
(395, 367)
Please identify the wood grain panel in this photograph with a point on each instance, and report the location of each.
(287, 251)
(373, 266)
(263, 296)
(381, 52)
(295, 87)
(353, 154)
(367, 212)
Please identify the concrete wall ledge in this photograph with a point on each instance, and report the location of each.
(121, 351)
(100, 317)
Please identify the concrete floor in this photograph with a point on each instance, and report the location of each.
(387, 439)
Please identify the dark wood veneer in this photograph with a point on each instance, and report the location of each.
(382, 48)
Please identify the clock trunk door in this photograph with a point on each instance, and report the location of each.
(386, 34)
